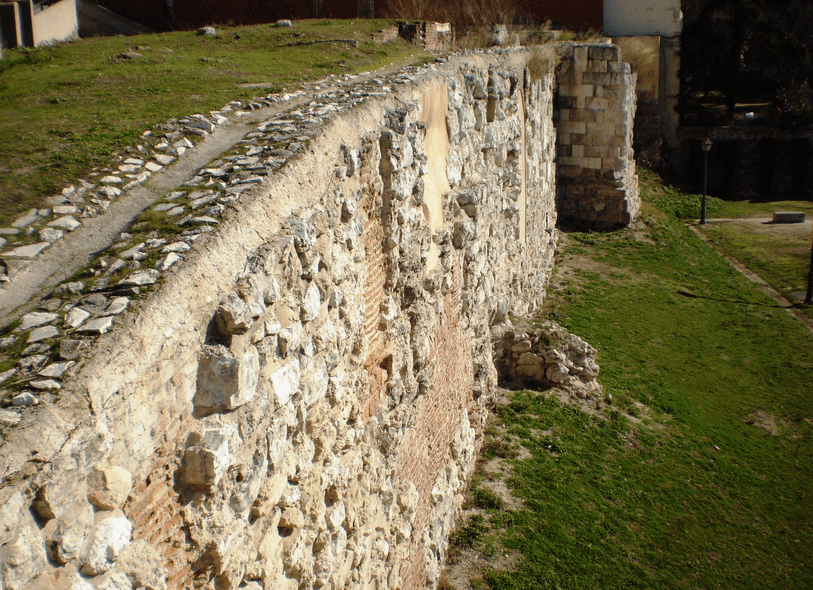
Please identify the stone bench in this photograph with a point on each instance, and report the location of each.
(788, 217)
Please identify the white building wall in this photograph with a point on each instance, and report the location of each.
(626, 18)
(56, 23)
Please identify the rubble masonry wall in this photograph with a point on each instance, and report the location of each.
(299, 404)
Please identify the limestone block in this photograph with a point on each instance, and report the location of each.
(207, 456)
(109, 487)
(111, 533)
(226, 381)
(113, 580)
(311, 304)
(23, 558)
(70, 531)
(143, 566)
(233, 316)
(285, 381)
(34, 320)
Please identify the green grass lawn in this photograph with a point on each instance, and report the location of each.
(699, 474)
(66, 109)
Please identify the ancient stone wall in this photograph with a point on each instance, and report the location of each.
(598, 186)
(298, 405)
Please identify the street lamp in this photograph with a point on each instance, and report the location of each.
(706, 145)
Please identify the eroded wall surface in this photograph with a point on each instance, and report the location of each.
(299, 405)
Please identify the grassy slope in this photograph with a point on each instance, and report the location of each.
(688, 493)
(64, 110)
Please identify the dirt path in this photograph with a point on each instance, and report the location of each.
(61, 261)
(751, 275)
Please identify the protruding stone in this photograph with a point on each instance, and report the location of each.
(285, 382)
(51, 234)
(176, 247)
(71, 530)
(109, 487)
(233, 316)
(46, 385)
(131, 252)
(56, 370)
(35, 319)
(111, 192)
(141, 278)
(66, 222)
(167, 262)
(26, 219)
(98, 326)
(6, 375)
(312, 304)
(207, 457)
(25, 398)
(27, 252)
(226, 381)
(43, 333)
(76, 317)
(117, 306)
(207, 31)
(111, 533)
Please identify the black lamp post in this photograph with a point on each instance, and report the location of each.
(809, 295)
(706, 145)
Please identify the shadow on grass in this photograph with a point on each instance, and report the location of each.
(724, 300)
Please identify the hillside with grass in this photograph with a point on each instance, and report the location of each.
(66, 110)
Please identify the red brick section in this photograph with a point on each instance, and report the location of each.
(375, 262)
(373, 238)
(154, 507)
(426, 448)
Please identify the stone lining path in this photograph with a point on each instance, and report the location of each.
(45, 247)
(751, 275)
(70, 270)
